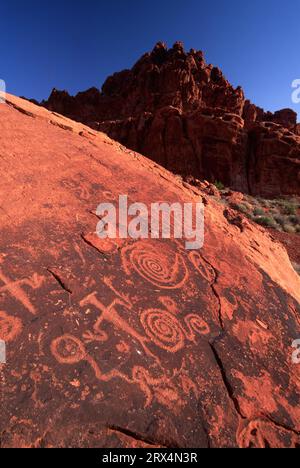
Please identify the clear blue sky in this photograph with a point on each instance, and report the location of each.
(74, 45)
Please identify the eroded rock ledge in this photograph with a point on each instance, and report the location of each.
(182, 112)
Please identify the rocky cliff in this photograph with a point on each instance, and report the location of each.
(184, 114)
(133, 343)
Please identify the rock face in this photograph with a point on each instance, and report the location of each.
(184, 114)
(133, 343)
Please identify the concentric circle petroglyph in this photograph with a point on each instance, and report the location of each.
(68, 349)
(163, 268)
(163, 329)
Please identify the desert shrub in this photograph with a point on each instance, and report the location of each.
(265, 221)
(289, 228)
(274, 211)
(258, 212)
(290, 209)
(266, 203)
(244, 208)
(255, 202)
(280, 219)
(295, 219)
(219, 185)
(241, 207)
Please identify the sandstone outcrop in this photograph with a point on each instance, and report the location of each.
(132, 343)
(184, 114)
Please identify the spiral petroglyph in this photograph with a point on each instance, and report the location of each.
(166, 269)
(163, 329)
(195, 326)
(166, 331)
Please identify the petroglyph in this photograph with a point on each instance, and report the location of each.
(205, 270)
(160, 388)
(111, 315)
(258, 433)
(16, 291)
(169, 304)
(10, 327)
(163, 268)
(195, 326)
(68, 349)
(163, 329)
(166, 331)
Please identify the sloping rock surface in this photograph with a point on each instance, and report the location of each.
(182, 113)
(133, 343)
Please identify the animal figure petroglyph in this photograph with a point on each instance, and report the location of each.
(69, 350)
(14, 288)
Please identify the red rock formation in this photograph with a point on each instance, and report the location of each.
(133, 343)
(185, 115)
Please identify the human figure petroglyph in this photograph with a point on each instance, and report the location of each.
(166, 270)
(111, 315)
(10, 327)
(15, 290)
(108, 280)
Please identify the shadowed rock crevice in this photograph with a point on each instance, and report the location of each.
(215, 292)
(59, 280)
(141, 438)
(226, 381)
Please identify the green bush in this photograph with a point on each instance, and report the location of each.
(219, 185)
(259, 212)
(290, 209)
(265, 221)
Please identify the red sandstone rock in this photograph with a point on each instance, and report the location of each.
(133, 343)
(185, 115)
